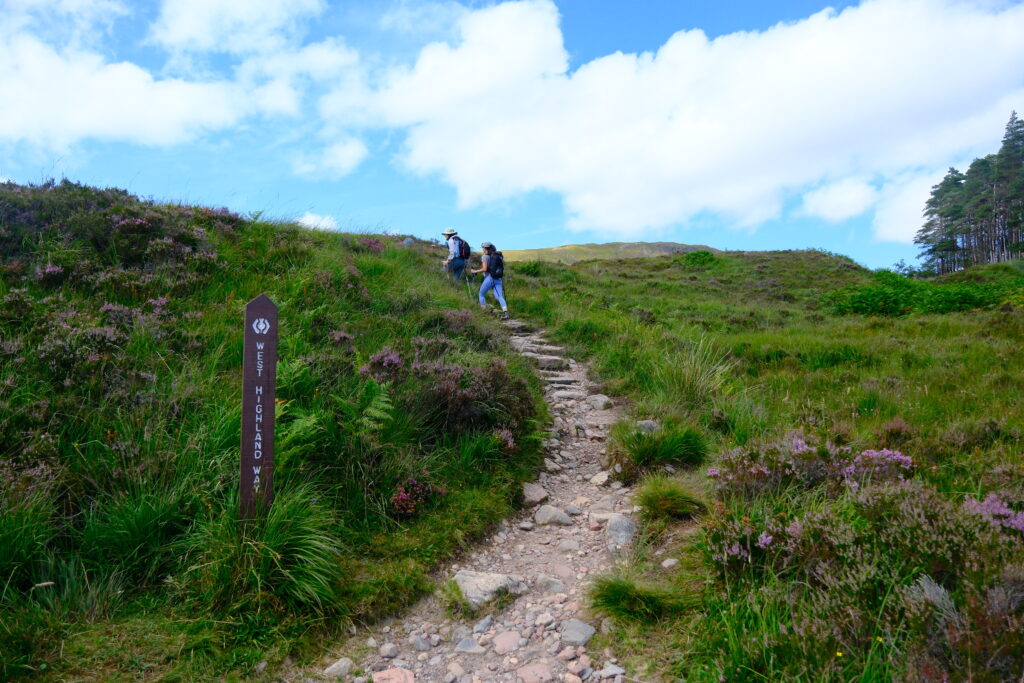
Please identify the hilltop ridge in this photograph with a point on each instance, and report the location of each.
(574, 253)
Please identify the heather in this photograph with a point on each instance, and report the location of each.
(404, 426)
(855, 509)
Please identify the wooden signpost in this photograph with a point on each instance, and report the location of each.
(259, 374)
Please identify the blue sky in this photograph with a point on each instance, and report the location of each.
(534, 123)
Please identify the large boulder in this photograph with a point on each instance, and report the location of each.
(576, 632)
(479, 588)
(533, 494)
(549, 514)
(619, 531)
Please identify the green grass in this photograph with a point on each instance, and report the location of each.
(664, 498)
(120, 363)
(746, 348)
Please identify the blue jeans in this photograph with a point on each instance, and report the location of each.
(489, 284)
(457, 266)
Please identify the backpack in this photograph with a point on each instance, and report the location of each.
(462, 248)
(496, 265)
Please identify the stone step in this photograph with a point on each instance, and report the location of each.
(548, 362)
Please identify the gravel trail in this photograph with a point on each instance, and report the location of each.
(576, 522)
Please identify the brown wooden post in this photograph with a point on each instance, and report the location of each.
(259, 374)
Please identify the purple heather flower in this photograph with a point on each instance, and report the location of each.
(764, 540)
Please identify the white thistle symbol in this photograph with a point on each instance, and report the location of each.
(260, 325)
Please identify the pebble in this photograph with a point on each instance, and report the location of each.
(669, 563)
(389, 650)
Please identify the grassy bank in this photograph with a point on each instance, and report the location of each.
(404, 425)
(849, 442)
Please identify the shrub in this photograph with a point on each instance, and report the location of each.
(412, 495)
(286, 561)
(793, 462)
(895, 295)
(698, 259)
(661, 497)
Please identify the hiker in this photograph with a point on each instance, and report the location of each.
(458, 253)
(492, 263)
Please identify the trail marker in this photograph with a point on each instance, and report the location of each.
(259, 376)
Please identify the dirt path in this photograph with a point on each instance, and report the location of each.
(572, 528)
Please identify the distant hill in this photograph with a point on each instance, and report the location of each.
(572, 253)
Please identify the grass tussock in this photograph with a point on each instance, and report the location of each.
(621, 598)
(664, 498)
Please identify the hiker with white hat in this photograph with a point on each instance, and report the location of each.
(458, 253)
(492, 263)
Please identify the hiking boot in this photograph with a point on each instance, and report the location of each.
(505, 315)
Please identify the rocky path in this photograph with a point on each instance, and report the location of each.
(574, 525)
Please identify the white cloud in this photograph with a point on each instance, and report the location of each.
(336, 160)
(278, 81)
(318, 222)
(84, 96)
(839, 201)
(898, 216)
(233, 26)
(731, 126)
(419, 18)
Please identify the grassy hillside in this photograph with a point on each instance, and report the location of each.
(849, 443)
(574, 253)
(404, 425)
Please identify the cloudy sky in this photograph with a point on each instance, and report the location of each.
(741, 125)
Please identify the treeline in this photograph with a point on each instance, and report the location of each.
(977, 217)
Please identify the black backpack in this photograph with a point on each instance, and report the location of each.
(496, 265)
(463, 249)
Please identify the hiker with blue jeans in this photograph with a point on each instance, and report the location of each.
(493, 263)
(455, 263)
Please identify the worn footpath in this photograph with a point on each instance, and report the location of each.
(529, 579)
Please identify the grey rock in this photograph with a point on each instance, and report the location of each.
(459, 633)
(533, 494)
(484, 624)
(600, 479)
(525, 525)
(389, 650)
(607, 625)
(480, 588)
(419, 643)
(576, 632)
(339, 669)
(261, 667)
(550, 584)
(450, 678)
(469, 646)
(611, 671)
(569, 395)
(549, 362)
(571, 509)
(599, 402)
(551, 466)
(669, 563)
(648, 426)
(549, 514)
(568, 546)
(620, 530)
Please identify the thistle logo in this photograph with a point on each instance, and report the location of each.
(260, 325)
